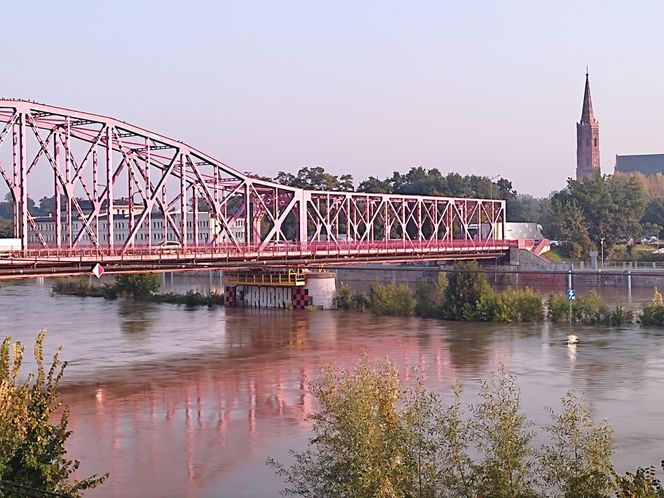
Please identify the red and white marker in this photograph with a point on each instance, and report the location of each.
(97, 270)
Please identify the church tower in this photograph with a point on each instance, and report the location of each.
(587, 139)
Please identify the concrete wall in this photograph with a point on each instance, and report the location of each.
(322, 289)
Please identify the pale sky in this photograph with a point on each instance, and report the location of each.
(367, 88)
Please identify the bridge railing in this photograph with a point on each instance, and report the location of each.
(277, 249)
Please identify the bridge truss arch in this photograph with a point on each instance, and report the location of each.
(100, 173)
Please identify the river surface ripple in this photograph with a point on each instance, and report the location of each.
(175, 402)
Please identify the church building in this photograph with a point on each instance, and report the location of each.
(587, 139)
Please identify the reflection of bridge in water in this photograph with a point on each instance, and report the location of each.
(136, 200)
(192, 425)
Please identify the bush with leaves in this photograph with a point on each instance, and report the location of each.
(641, 484)
(348, 300)
(374, 437)
(577, 461)
(138, 286)
(652, 314)
(32, 449)
(391, 299)
(466, 285)
(429, 297)
(557, 308)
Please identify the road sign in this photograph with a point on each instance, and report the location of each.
(571, 294)
(97, 270)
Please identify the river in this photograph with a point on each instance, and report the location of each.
(176, 402)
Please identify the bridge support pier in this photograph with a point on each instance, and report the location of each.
(296, 290)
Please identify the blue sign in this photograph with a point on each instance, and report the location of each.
(571, 294)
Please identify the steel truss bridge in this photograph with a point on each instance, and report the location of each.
(86, 162)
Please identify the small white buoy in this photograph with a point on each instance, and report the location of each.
(572, 339)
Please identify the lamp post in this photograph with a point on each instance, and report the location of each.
(492, 179)
(601, 240)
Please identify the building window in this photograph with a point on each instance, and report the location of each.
(596, 141)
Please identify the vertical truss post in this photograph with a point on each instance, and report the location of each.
(130, 195)
(109, 187)
(304, 198)
(148, 182)
(68, 190)
(194, 215)
(95, 188)
(23, 184)
(57, 208)
(183, 201)
(16, 218)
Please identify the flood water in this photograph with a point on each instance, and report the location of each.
(178, 402)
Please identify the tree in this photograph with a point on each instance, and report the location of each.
(611, 207)
(653, 217)
(375, 186)
(503, 435)
(316, 178)
(32, 450)
(578, 460)
(571, 228)
(138, 286)
(466, 285)
(372, 437)
(359, 445)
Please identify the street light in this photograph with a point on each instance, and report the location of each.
(601, 240)
(492, 179)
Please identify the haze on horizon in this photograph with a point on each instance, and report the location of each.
(365, 88)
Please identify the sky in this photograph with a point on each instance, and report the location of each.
(359, 87)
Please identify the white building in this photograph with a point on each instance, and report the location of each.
(161, 230)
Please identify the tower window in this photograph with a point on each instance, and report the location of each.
(596, 141)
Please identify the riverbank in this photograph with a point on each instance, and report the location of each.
(464, 294)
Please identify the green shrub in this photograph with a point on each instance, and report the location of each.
(82, 287)
(641, 484)
(190, 298)
(139, 286)
(620, 316)
(391, 299)
(590, 309)
(652, 314)
(344, 298)
(347, 300)
(359, 301)
(487, 309)
(425, 306)
(466, 285)
(519, 305)
(32, 440)
(374, 437)
(577, 461)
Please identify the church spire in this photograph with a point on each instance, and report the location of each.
(587, 115)
(587, 139)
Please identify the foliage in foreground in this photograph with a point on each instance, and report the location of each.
(373, 437)
(32, 449)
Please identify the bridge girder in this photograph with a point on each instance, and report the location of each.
(90, 161)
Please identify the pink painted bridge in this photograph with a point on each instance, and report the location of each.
(134, 200)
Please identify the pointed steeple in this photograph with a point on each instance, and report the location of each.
(587, 115)
(587, 139)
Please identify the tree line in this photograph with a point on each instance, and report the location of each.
(601, 211)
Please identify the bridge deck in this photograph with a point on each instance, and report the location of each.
(40, 262)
